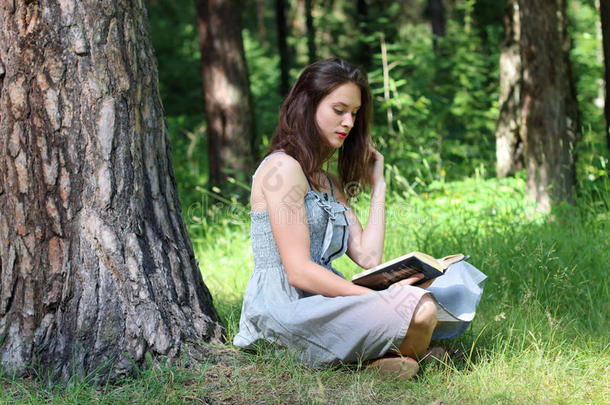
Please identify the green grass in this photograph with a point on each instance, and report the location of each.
(540, 335)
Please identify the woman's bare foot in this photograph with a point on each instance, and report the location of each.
(402, 368)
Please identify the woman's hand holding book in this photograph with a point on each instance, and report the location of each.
(412, 280)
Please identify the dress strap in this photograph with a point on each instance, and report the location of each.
(332, 186)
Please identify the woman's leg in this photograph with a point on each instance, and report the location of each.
(415, 343)
(420, 330)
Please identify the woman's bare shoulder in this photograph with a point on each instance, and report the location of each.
(280, 173)
(281, 166)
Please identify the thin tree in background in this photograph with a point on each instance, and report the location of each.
(260, 20)
(604, 6)
(311, 32)
(573, 123)
(282, 33)
(226, 88)
(97, 270)
(435, 11)
(549, 120)
(363, 55)
(509, 146)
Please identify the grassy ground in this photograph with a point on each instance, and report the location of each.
(540, 336)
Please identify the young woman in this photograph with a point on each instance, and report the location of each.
(302, 221)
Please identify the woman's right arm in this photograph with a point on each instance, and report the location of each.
(284, 187)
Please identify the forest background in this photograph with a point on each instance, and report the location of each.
(540, 335)
(436, 115)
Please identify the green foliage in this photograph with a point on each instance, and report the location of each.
(173, 29)
(189, 153)
(264, 82)
(443, 103)
(587, 59)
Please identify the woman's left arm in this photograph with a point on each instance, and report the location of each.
(365, 246)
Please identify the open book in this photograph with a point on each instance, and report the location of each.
(380, 277)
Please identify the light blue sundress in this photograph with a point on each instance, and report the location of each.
(322, 330)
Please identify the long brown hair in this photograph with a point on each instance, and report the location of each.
(298, 133)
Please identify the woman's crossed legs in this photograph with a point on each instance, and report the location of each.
(414, 345)
(420, 330)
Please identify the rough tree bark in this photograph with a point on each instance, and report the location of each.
(548, 121)
(226, 86)
(96, 266)
(604, 8)
(509, 146)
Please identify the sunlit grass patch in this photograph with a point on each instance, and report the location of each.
(540, 335)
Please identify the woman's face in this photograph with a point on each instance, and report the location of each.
(336, 113)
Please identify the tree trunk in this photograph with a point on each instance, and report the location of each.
(311, 32)
(509, 146)
(96, 265)
(604, 6)
(260, 19)
(548, 125)
(282, 32)
(569, 85)
(363, 55)
(435, 12)
(226, 86)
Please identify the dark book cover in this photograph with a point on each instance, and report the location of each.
(381, 278)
